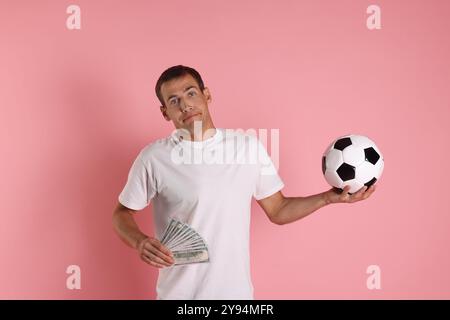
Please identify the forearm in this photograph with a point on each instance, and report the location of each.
(295, 208)
(127, 229)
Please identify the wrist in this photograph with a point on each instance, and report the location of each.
(325, 198)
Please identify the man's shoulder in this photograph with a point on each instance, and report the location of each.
(156, 148)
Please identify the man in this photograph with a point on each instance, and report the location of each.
(214, 199)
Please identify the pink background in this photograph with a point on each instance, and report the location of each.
(78, 105)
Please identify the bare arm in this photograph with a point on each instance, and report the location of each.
(126, 227)
(282, 210)
(150, 249)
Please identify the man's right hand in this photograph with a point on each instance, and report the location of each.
(153, 252)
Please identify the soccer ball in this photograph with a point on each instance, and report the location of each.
(352, 160)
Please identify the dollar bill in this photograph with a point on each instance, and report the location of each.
(182, 233)
(176, 227)
(168, 231)
(185, 243)
(190, 256)
(189, 236)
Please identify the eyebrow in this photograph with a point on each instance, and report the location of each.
(186, 89)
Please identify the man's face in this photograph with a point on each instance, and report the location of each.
(185, 103)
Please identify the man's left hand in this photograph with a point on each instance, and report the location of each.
(333, 195)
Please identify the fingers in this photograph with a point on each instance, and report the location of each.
(158, 245)
(360, 192)
(159, 250)
(369, 191)
(154, 253)
(363, 193)
(154, 258)
(344, 196)
(151, 262)
(159, 256)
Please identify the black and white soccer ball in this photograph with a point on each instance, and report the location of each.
(352, 160)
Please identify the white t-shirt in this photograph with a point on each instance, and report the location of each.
(209, 185)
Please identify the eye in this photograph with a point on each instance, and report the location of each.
(173, 101)
(192, 93)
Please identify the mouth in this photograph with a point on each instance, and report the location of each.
(191, 117)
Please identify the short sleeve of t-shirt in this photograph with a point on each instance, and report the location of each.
(268, 181)
(140, 187)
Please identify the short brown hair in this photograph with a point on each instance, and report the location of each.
(176, 72)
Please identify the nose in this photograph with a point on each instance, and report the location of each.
(184, 106)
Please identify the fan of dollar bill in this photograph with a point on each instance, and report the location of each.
(185, 243)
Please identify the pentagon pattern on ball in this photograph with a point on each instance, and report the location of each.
(342, 143)
(371, 155)
(346, 172)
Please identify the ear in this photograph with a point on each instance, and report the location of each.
(207, 94)
(163, 111)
